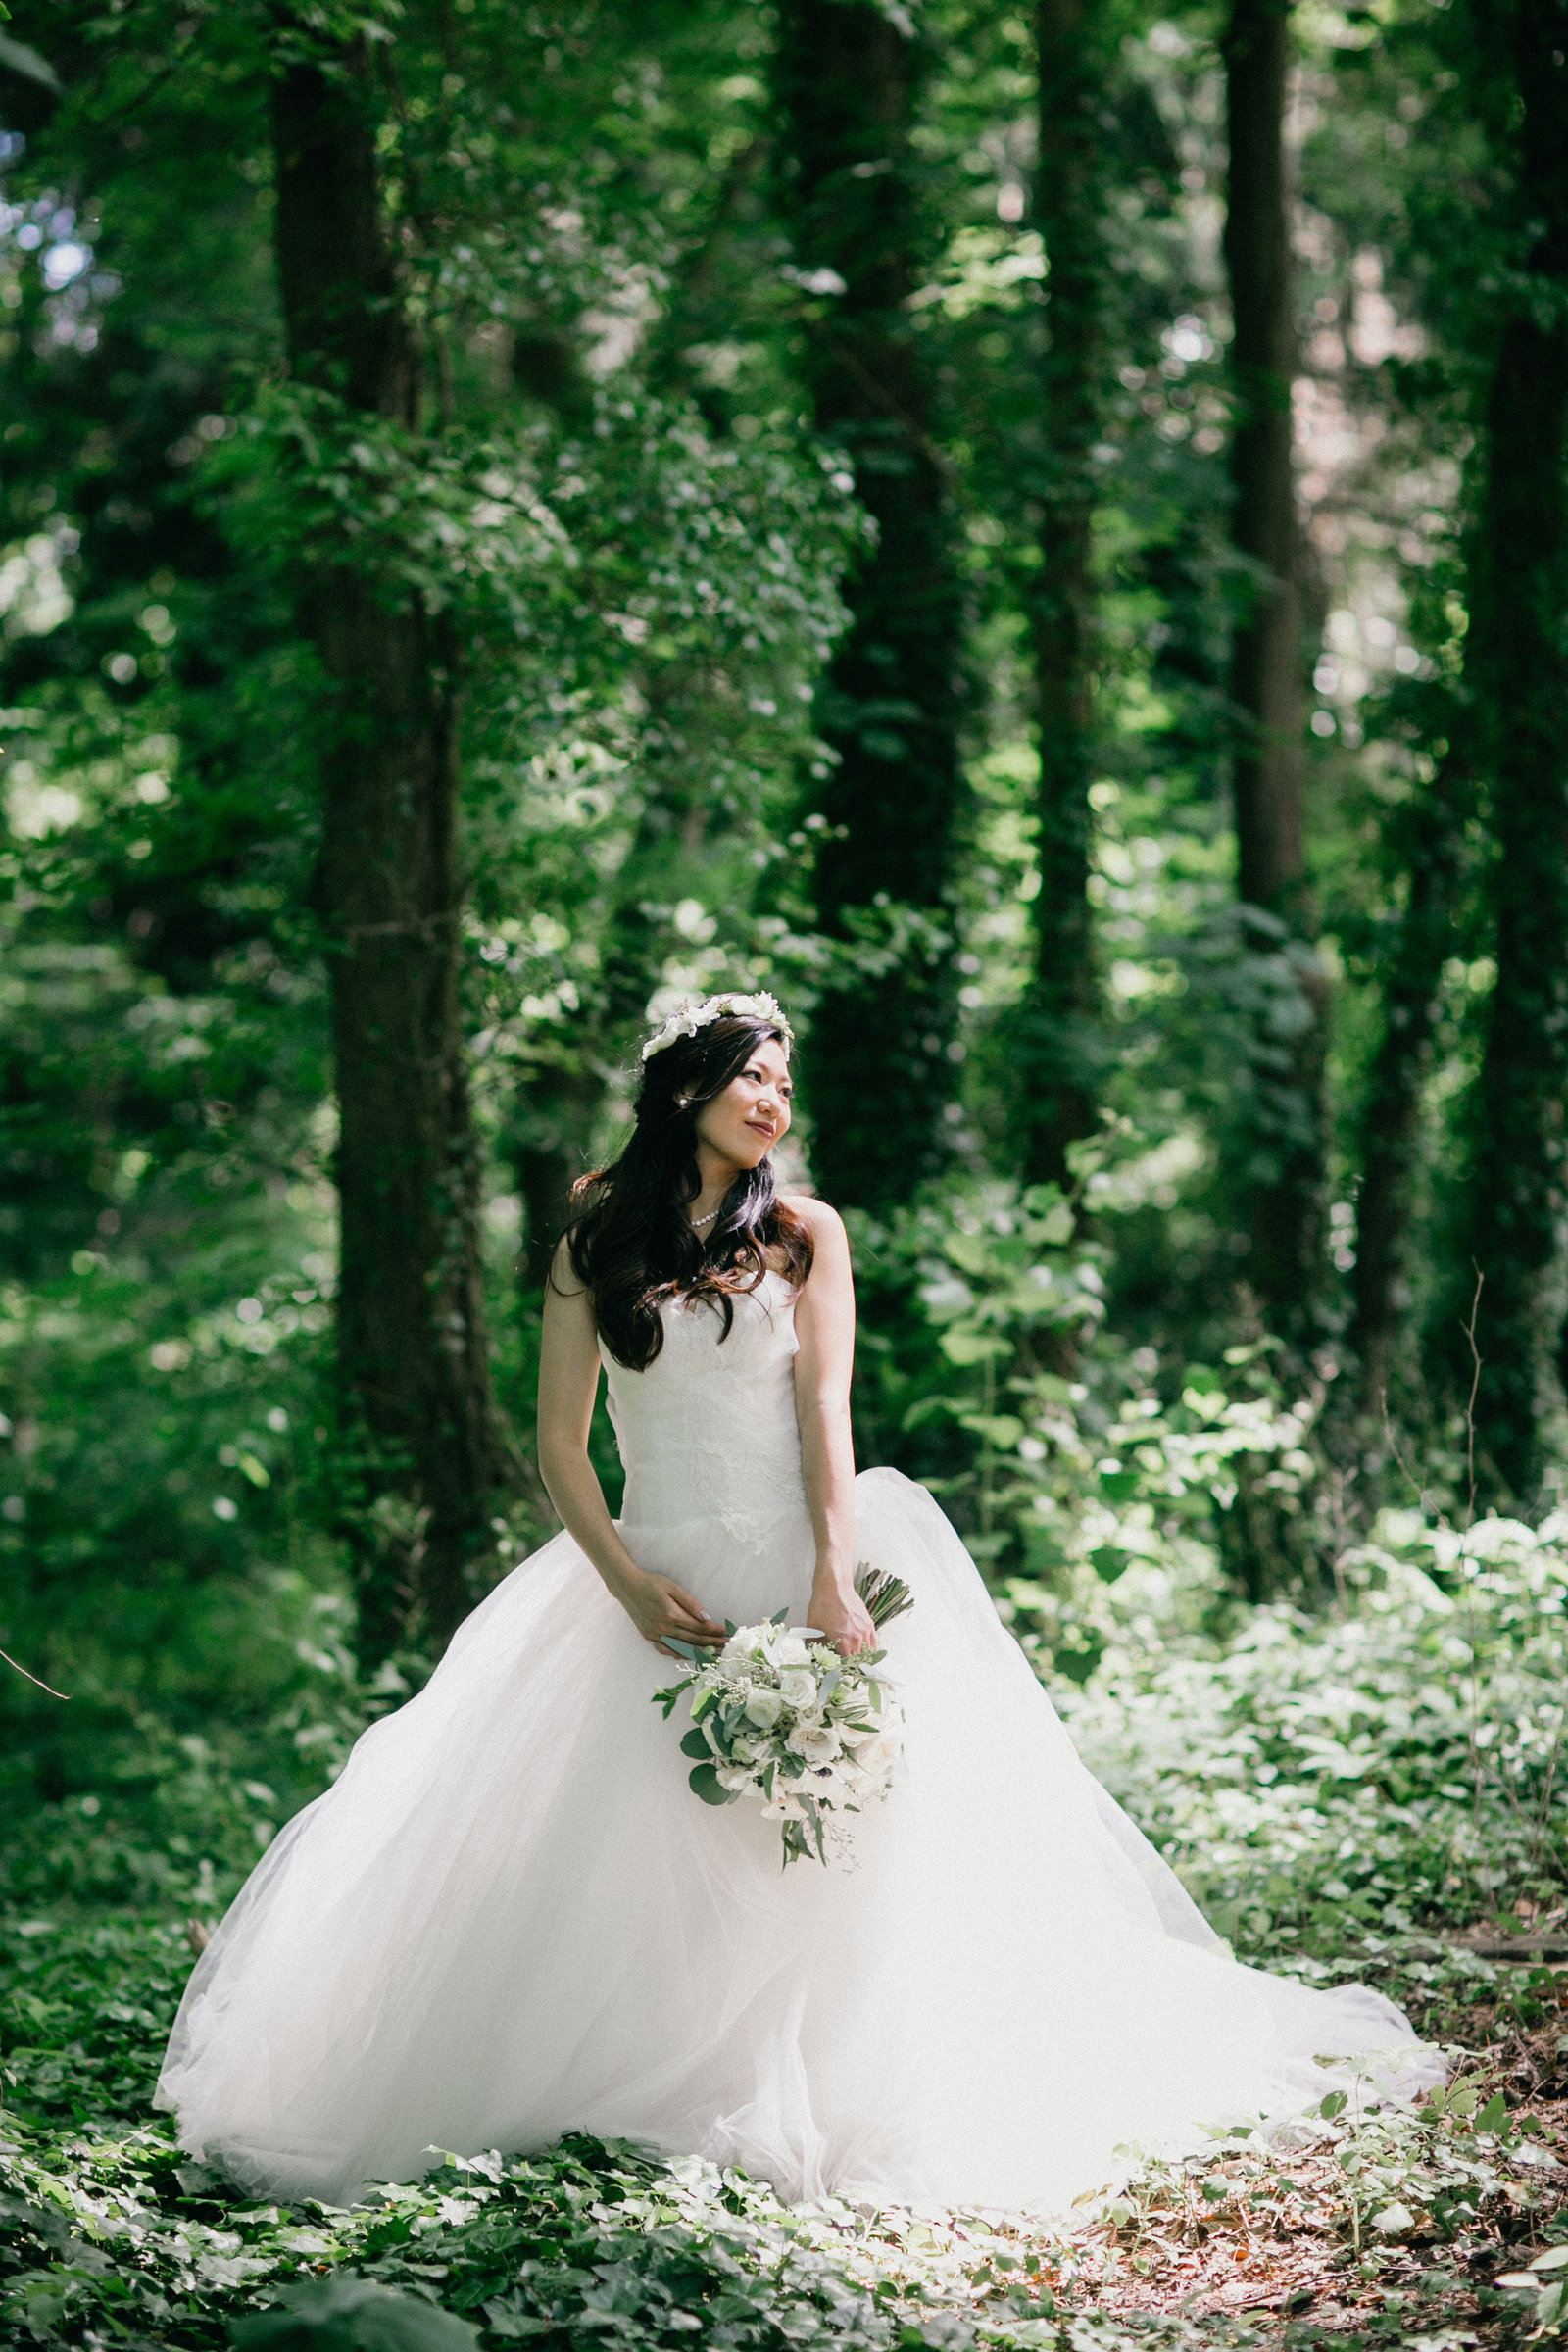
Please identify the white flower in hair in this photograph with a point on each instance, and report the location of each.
(692, 1013)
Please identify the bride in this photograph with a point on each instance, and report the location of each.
(511, 1917)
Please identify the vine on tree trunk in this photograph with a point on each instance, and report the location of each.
(422, 1459)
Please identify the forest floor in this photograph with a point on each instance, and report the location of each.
(1367, 2226)
(1357, 1796)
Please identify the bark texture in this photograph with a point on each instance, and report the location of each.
(423, 1458)
(1057, 1040)
(878, 1072)
(1282, 1180)
(1520, 596)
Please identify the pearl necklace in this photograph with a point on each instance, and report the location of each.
(697, 1223)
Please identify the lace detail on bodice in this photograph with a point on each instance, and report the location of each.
(709, 1431)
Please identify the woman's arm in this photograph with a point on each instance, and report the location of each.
(569, 1381)
(824, 1322)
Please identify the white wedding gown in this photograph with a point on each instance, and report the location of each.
(510, 1918)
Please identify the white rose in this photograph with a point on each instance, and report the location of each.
(818, 1741)
(789, 1650)
(747, 1654)
(877, 1755)
(798, 1686)
(763, 1708)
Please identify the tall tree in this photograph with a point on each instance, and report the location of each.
(1429, 842)
(1282, 1179)
(418, 1418)
(1054, 1064)
(847, 80)
(1520, 662)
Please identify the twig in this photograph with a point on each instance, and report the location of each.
(1470, 1402)
(32, 1678)
(1393, 1442)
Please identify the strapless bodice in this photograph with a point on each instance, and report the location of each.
(709, 1433)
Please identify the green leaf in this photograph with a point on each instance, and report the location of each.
(349, 2314)
(695, 1743)
(703, 1782)
(19, 59)
(1549, 2307)
(1001, 1431)
(1119, 1486)
(1493, 2116)
(1334, 2104)
(971, 1346)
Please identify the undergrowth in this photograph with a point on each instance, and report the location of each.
(1367, 2223)
(1376, 1791)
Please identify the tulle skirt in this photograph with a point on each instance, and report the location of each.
(510, 1918)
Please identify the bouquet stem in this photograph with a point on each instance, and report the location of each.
(885, 1597)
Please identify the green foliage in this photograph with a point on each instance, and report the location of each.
(986, 1372)
(1330, 1784)
(1419, 1730)
(352, 2314)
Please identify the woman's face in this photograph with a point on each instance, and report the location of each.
(753, 1113)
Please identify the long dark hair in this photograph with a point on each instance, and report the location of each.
(630, 1239)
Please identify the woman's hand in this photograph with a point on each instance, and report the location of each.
(664, 1611)
(843, 1617)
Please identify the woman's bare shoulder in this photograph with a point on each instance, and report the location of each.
(817, 1215)
(564, 1281)
(830, 1244)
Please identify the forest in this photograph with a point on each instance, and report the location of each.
(1038, 535)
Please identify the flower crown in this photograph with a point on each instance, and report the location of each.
(695, 1012)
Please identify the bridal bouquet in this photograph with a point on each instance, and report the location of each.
(779, 1716)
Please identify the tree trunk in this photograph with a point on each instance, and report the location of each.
(1390, 1116)
(1519, 598)
(1056, 1058)
(556, 1115)
(423, 1458)
(1284, 1179)
(878, 1069)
